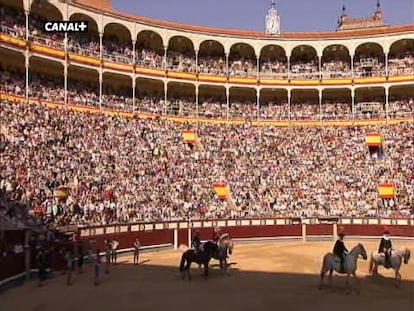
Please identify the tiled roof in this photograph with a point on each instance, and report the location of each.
(105, 6)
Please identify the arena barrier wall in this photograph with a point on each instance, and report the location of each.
(177, 233)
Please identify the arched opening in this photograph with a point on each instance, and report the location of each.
(401, 101)
(12, 72)
(273, 104)
(212, 102)
(117, 44)
(273, 62)
(40, 12)
(212, 59)
(85, 43)
(243, 103)
(150, 96)
(401, 58)
(117, 92)
(369, 60)
(370, 103)
(304, 63)
(83, 86)
(13, 20)
(336, 104)
(181, 99)
(305, 105)
(181, 55)
(46, 79)
(242, 61)
(149, 50)
(336, 62)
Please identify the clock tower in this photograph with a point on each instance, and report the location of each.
(272, 21)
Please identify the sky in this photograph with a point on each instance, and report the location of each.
(295, 15)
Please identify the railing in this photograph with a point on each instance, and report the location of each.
(158, 113)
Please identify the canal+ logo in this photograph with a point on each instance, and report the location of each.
(69, 26)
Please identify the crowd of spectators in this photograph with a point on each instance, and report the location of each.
(117, 50)
(126, 170)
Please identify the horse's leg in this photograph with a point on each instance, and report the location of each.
(206, 269)
(357, 283)
(348, 291)
(397, 278)
(187, 269)
(330, 277)
(322, 275)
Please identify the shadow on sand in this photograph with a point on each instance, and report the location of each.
(152, 287)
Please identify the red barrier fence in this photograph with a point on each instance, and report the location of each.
(179, 233)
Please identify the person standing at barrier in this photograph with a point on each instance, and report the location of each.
(41, 263)
(114, 245)
(81, 254)
(137, 245)
(97, 267)
(70, 265)
(108, 251)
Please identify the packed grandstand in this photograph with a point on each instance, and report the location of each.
(284, 128)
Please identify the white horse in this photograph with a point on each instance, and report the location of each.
(332, 263)
(397, 257)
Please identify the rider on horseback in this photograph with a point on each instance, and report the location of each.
(340, 249)
(196, 242)
(216, 234)
(385, 248)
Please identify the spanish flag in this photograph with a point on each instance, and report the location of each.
(222, 190)
(373, 139)
(61, 192)
(190, 136)
(386, 191)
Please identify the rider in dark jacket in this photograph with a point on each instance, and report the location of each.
(340, 250)
(385, 247)
(196, 242)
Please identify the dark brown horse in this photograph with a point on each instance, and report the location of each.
(210, 250)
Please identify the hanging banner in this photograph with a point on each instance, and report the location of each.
(386, 191)
(190, 136)
(373, 139)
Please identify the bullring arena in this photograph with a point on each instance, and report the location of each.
(143, 128)
(272, 265)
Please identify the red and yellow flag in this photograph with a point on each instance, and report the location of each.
(222, 190)
(190, 136)
(373, 139)
(61, 192)
(386, 191)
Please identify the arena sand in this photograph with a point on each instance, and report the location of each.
(264, 276)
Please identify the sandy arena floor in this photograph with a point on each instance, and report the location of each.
(264, 276)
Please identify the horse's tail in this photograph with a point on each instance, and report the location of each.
(371, 263)
(182, 263)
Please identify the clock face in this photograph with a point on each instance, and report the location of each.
(272, 24)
